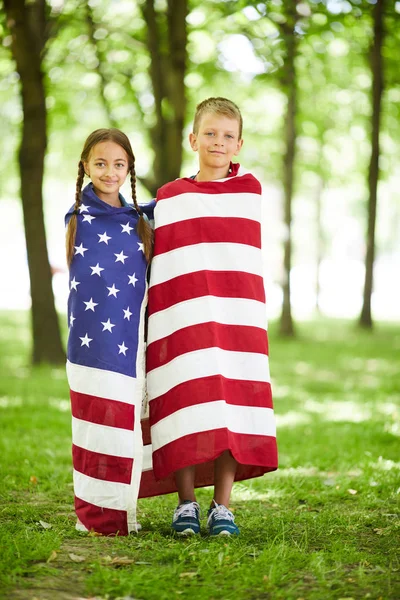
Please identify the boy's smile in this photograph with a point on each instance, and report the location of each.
(217, 141)
(107, 167)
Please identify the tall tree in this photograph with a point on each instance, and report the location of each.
(376, 62)
(289, 85)
(160, 32)
(167, 48)
(29, 26)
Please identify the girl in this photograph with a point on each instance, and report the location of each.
(109, 245)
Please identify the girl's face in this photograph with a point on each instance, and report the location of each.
(107, 167)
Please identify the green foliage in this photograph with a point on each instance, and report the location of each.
(323, 526)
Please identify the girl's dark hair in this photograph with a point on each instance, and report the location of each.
(143, 227)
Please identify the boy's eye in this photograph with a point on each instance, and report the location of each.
(228, 135)
(210, 133)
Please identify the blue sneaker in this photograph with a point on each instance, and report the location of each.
(221, 521)
(186, 519)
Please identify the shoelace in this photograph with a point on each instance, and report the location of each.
(187, 510)
(220, 513)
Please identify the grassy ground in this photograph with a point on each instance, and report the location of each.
(324, 526)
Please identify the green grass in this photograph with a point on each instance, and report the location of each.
(325, 525)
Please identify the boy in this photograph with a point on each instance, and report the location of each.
(211, 409)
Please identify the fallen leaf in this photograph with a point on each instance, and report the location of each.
(76, 558)
(107, 558)
(265, 578)
(45, 525)
(52, 556)
(188, 574)
(94, 534)
(33, 479)
(122, 560)
(352, 492)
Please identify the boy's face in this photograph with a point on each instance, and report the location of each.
(216, 141)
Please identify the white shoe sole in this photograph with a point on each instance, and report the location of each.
(185, 532)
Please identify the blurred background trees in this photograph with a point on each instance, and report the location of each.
(319, 87)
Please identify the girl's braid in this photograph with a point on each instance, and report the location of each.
(143, 227)
(71, 230)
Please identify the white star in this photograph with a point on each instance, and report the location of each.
(132, 279)
(83, 208)
(126, 228)
(113, 290)
(141, 247)
(122, 348)
(127, 313)
(74, 284)
(88, 218)
(121, 257)
(104, 237)
(80, 250)
(86, 340)
(71, 319)
(90, 305)
(96, 270)
(108, 326)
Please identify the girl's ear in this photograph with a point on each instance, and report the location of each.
(193, 141)
(86, 168)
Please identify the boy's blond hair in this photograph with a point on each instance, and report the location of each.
(218, 106)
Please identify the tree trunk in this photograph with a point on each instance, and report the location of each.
(26, 22)
(286, 326)
(167, 72)
(373, 174)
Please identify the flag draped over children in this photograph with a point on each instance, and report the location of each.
(207, 360)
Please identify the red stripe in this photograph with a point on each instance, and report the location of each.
(102, 466)
(106, 521)
(210, 389)
(101, 411)
(235, 185)
(255, 450)
(239, 338)
(222, 284)
(145, 431)
(207, 230)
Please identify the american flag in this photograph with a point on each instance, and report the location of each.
(106, 365)
(207, 355)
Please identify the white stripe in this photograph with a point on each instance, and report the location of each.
(193, 205)
(227, 311)
(213, 415)
(106, 494)
(147, 458)
(137, 468)
(103, 439)
(103, 384)
(217, 256)
(243, 366)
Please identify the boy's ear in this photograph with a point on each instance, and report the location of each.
(193, 141)
(238, 147)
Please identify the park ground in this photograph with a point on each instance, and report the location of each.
(324, 526)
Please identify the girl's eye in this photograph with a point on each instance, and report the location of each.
(120, 165)
(99, 164)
